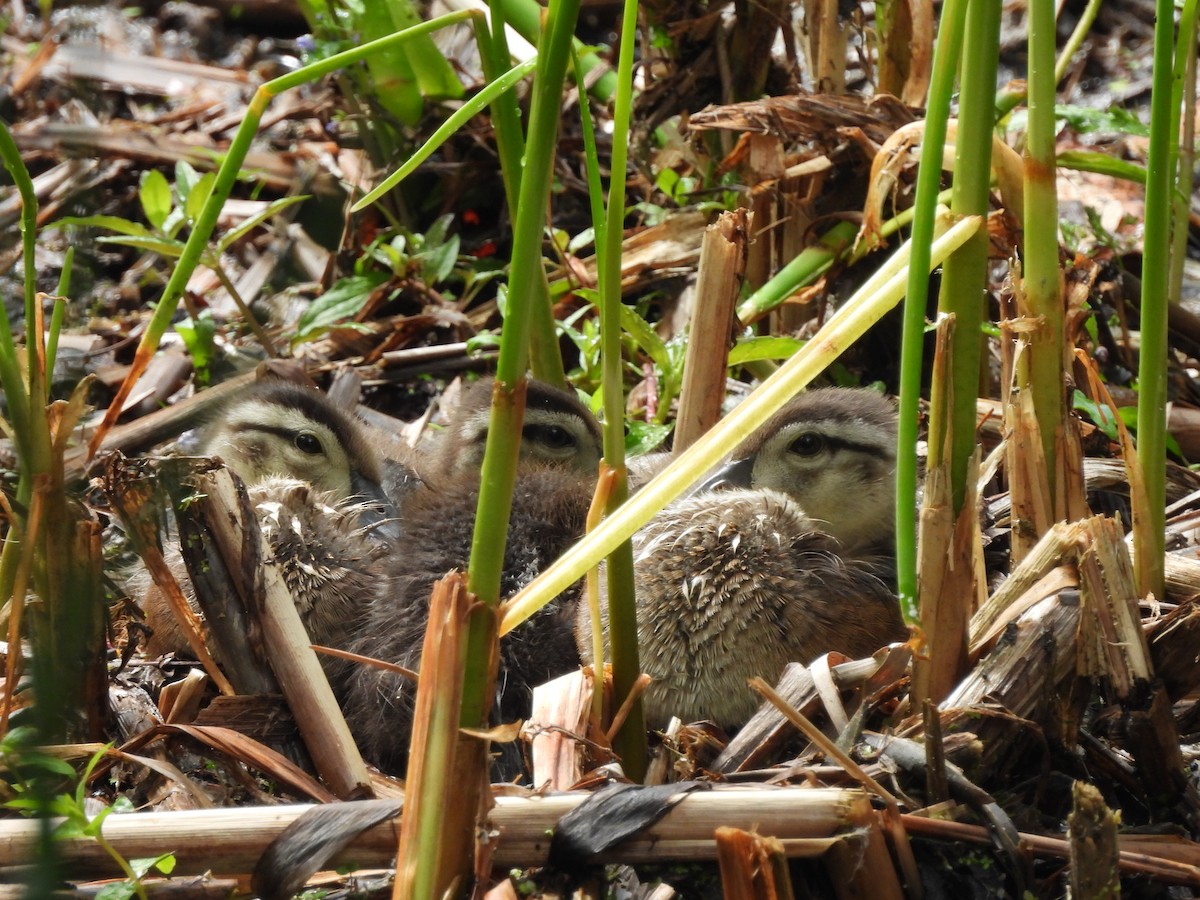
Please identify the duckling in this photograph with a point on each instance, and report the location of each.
(558, 431)
(789, 561)
(555, 480)
(316, 484)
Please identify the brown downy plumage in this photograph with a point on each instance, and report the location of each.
(780, 557)
(555, 479)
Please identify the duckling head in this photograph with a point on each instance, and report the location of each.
(558, 431)
(276, 428)
(833, 451)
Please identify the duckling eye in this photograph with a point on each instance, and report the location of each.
(552, 437)
(808, 444)
(307, 442)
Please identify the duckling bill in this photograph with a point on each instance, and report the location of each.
(780, 557)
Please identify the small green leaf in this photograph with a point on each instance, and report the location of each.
(437, 233)
(117, 890)
(199, 336)
(199, 195)
(438, 262)
(186, 177)
(643, 437)
(754, 349)
(164, 863)
(155, 193)
(163, 246)
(112, 223)
(342, 301)
(272, 209)
(646, 337)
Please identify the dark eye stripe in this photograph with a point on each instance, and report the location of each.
(834, 444)
(285, 434)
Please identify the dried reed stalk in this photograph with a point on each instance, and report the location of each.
(752, 866)
(230, 841)
(301, 678)
(427, 835)
(722, 265)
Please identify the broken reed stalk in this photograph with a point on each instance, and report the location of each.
(892, 821)
(752, 865)
(236, 532)
(718, 282)
(425, 831)
(950, 574)
(231, 841)
(129, 486)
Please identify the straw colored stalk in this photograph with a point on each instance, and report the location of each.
(752, 866)
(301, 678)
(950, 576)
(722, 264)
(230, 841)
(435, 829)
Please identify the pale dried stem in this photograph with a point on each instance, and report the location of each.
(296, 666)
(722, 264)
(230, 841)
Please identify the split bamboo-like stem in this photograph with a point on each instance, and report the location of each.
(752, 865)
(722, 265)
(289, 650)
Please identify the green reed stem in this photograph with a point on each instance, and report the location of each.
(630, 741)
(945, 61)
(1149, 522)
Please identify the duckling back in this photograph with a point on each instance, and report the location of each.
(560, 451)
(780, 557)
(548, 514)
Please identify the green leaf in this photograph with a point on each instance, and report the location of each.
(112, 223)
(273, 208)
(186, 177)
(646, 337)
(754, 349)
(164, 863)
(117, 890)
(1103, 164)
(198, 195)
(1086, 119)
(164, 246)
(437, 263)
(342, 301)
(199, 336)
(643, 437)
(437, 233)
(155, 193)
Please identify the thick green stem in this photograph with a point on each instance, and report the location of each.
(945, 61)
(1152, 358)
(630, 741)
(1040, 275)
(500, 457)
(965, 273)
